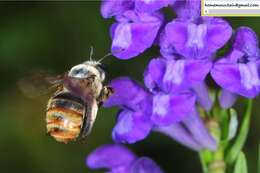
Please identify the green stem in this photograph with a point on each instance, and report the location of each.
(223, 158)
(212, 162)
(218, 165)
(203, 163)
(241, 137)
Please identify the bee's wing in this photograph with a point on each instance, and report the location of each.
(39, 84)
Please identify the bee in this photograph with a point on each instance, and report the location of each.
(72, 110)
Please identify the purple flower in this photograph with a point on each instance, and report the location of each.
(195, 40)
(110, 8)
(190, 132)
(129, 95)
(133, 122)
(137, 25)
(238, 72)
(176, 81)
(133, 33)
(131, 126)
(175, 74)
(171, 108)
(142, 111)
(118, 159)
(174, 102)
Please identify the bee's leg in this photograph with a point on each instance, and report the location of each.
(105, 93)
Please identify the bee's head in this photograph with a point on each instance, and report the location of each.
(87, 69)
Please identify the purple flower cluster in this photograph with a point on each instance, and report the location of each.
(118, 159)
(175, 91)
(188, 46)
(175, 81)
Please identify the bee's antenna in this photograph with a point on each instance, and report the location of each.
(91, 53)
(107, 55)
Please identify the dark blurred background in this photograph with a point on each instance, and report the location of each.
(54, 36)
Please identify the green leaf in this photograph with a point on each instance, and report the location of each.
(241, 165)
(239, 142)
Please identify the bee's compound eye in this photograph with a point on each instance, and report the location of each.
(102, 70)
(79, 71)
(102, 67)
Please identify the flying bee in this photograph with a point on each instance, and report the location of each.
(72, 110)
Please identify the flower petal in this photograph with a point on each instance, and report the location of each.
(218, 34)
(227, 99)
(128, 93)
(183, 74)
(238, 78)
(197, 70)
(178, 30)
(134, 37)
(187, 9)
(179, 133)
(246, 41)
(170, 108)
(175, 75)
(104, 157)
(194, 124)
(131, 126)
(197, 40)
(166, 48)
(145, 165)
(154, 73)
(111, 8)
(151, 5)
(203, 96)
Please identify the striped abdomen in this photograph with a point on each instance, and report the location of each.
(64, 117)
